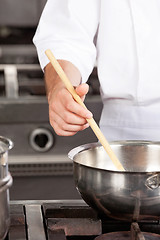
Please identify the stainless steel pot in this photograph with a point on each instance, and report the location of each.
(4, 206)
(5, 183)
(5, 145)
(130, 195)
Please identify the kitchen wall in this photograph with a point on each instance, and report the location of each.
(20, 12)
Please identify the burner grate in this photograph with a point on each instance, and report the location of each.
(127, 236)
(17, 229)
(134, 234)
(72, 220)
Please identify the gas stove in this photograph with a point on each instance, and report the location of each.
(72, 220)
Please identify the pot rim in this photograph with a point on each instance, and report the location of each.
(5, 180)
(72, 153)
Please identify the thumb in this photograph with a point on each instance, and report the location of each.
(82, 90)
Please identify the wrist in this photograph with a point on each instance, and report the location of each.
(53, 81)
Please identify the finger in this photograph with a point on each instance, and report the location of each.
(68, 126)
(65, 101)
(62, 132)
(82, 89)
(76, 108)
(59, 131)
(70, 110)
(66, 115)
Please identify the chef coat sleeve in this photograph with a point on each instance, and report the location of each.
(68, 28)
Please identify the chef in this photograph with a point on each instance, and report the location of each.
(122, 37)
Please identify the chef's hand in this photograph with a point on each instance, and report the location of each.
(66, 116)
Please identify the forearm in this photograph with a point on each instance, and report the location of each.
(52, 79)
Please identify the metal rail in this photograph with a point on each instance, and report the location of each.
(11, 77)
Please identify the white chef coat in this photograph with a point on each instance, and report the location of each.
(123, 38)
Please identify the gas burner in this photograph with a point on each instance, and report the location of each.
(134, 234)
(127, 236)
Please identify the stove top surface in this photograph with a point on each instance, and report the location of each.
(71, 220)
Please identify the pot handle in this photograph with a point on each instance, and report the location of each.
(153, 182)
(7, 185)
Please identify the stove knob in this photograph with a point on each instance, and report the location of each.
(41, 139)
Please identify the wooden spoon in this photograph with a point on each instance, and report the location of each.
(91, 121)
